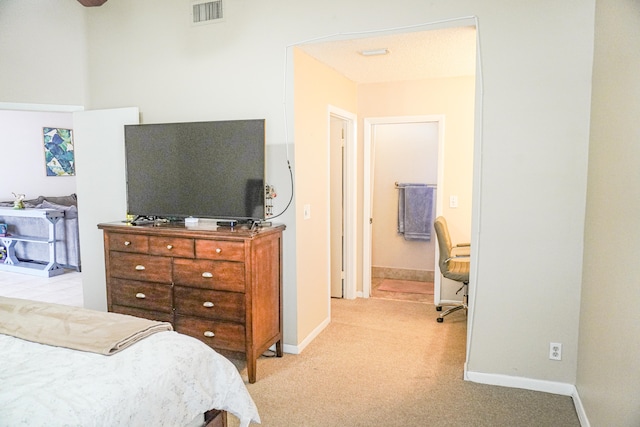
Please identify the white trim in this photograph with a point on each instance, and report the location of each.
(476, 195)
(297, 349)
(369, 158)
(554, 387)
(41, 107)
(582, 415)
(350, 200)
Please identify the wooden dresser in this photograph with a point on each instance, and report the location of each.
(221, 285)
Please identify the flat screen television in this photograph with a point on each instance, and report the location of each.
(212, 169)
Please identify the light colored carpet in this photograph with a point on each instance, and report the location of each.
(389, 363)
(406, 286)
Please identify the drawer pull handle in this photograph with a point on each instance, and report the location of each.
(127, 243)
(169, 247)
(140, 295)
(218, 250)
(207, 274)
(209, 334)
(208, 304)
(139, 267)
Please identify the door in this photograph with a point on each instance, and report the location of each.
(337, 132)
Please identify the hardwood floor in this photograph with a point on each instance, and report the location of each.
(63, 289)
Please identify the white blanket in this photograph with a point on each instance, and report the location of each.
(167, 379)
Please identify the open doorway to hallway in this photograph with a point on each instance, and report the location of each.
(424, 72)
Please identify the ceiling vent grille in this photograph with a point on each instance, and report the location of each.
(206, 12)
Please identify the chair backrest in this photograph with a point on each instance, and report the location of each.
(451, 269)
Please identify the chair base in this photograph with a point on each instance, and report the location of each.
(461, 306)
(440, 319)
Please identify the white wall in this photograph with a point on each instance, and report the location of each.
(404, 153)
(536, 78)
(22, 151)
(43, 51)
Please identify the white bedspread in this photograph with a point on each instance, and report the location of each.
(167, 379)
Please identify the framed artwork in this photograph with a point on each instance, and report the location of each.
(58, 152)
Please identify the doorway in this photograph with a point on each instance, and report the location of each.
(399, 150)
(342, 204)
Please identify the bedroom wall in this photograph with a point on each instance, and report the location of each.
(21, 144)
(609, 381)
(532, 137)
(43, 52)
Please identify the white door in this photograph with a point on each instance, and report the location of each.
(101, 188)
(337, 133)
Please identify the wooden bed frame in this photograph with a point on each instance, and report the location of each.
(215, 418)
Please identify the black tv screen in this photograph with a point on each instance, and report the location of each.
(199, 169)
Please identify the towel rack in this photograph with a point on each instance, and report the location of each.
(397, 185)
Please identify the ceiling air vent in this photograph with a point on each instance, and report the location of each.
(206, 12)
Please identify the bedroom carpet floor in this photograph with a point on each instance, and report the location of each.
(379, 362)
(389, 363)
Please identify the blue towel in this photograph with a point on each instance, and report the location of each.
(415, 206)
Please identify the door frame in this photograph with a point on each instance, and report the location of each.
(369, 158)
(350, 199)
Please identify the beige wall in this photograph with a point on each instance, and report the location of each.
(608, 378)
(451, 97)
(316, 87)
(404, 153)
(532, 139)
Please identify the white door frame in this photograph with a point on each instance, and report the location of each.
(350, 199)
(369, 158)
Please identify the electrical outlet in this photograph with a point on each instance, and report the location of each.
(555, 351)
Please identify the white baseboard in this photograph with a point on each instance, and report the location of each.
(553, 387)
(582, 415)
(297, 349)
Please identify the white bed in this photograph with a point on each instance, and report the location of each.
(164, 379)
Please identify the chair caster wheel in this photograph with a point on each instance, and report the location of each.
(438, 308)
(440, 319)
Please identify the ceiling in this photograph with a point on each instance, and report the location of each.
(447, 52)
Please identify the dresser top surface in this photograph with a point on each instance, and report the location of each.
(202, 229)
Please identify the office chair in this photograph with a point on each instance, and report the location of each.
(453, 263)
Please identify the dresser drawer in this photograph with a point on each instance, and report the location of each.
(149, 296)
(210, 304)
(171, 246)
(140, 267)
(216, 334)
(145, 314)
(220, 275)
(220, 250)
(128, 243)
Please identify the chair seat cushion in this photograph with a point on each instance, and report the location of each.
(458, 269)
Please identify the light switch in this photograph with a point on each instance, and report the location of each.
(453, 201)
(307, 211)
